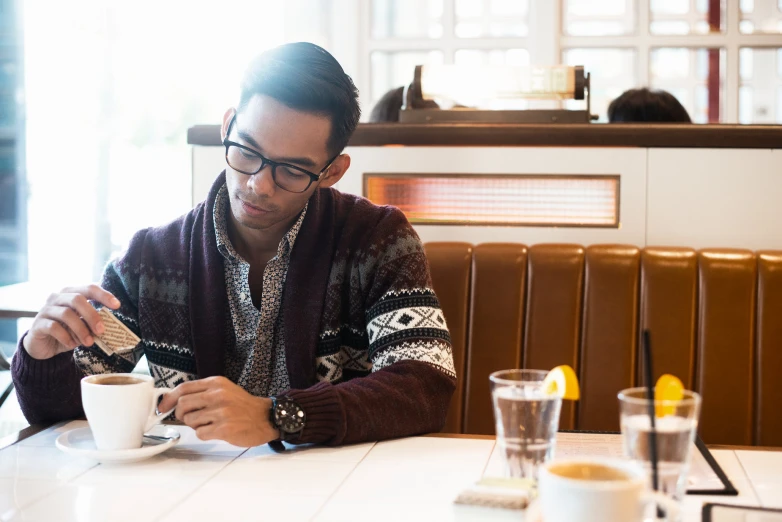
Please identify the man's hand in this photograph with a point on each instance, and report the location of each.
(67, 320)
(216, 408)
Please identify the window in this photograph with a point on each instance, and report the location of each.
(687, 48)
(407, 18)
(760, 92)
(670, 17)
(115, 156)
(761, 16)
(492, 18)
(13, 264)
(622, 43)
(406, 33)
(590, 18)
(694, 76)
(13, 208)
(396, 68)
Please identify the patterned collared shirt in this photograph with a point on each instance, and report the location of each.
(257, 361)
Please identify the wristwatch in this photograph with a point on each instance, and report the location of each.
(288, 417)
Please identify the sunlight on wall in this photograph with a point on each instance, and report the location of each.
(111, 88)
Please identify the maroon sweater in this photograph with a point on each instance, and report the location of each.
(367, 349)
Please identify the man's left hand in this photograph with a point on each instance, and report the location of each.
(216, 408)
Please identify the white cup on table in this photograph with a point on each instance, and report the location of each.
(120, 408)
(597, 490)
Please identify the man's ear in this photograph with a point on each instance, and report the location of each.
(229, 114)
(335, 171)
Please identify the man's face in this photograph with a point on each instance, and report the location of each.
(284, 135)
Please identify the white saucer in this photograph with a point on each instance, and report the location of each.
(533, 513)
(79, 442)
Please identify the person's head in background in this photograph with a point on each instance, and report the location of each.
(389, 105)
(647, 106)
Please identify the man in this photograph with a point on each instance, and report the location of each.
(279, 308)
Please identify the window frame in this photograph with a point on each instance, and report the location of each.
(546, 44)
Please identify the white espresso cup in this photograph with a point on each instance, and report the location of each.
(120, 408)
(597, 490)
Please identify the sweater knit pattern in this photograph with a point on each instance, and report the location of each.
(357, 302)
(170, 356)
(405, 322)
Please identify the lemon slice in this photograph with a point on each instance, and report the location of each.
(668, 388)
(562, 381)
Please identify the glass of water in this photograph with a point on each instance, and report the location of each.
(676, 423)
(526, 420)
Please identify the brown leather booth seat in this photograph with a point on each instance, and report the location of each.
(715, 318)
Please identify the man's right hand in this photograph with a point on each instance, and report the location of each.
(67, 320)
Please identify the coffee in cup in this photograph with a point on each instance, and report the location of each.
(120, 408)
(116, 380)
(596, 490)
(589, 471)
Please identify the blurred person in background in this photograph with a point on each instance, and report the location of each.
(647, 106)
(387, 108)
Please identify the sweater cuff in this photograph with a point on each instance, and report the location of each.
(325, 417)
(40, 374)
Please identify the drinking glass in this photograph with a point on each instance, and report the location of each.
(676, 423)
(526, 420)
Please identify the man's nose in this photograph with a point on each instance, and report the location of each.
(262, 182)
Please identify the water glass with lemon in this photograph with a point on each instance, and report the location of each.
(527, 404)
(676, 412)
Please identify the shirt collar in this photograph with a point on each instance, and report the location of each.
(220, 211)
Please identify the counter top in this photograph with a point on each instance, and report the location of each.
(562, 135)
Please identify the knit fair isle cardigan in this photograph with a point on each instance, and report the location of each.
(367, 348)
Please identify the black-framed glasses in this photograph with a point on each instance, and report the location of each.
(250, 162)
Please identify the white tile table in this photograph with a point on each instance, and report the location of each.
(408, 479)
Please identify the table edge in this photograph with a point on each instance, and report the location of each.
(10, 440)
(743, 448)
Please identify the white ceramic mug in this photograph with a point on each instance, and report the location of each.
(567, 499)
(120, 414)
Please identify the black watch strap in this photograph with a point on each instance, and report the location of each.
(277, 446)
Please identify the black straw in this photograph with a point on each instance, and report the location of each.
(647, 349)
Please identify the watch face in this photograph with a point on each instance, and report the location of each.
(288, 416)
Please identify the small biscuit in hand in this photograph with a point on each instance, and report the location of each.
(116, 337)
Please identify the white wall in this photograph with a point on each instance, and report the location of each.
(715, 198)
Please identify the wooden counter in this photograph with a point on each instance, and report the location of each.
(569, 135)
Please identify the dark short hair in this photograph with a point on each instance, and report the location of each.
(644, 105)
(307, 78)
